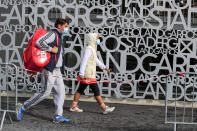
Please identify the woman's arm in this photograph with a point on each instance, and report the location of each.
(84, 61)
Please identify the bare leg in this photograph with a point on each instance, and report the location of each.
(76, 99)
(100, 102)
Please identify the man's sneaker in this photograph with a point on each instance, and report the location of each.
(108, 110)
(19, 111)
(58, 119)
(76, 109)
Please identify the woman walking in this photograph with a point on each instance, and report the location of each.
(87, 75)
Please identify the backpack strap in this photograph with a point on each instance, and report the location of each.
(57, 46)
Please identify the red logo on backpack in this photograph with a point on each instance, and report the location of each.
(34, 58)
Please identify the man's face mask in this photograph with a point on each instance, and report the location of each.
(65, 31)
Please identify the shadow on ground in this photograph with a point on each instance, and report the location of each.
(124, 118)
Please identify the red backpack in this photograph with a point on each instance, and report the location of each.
(34, 58)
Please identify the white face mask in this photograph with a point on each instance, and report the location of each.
(65, 31)
(98, 42)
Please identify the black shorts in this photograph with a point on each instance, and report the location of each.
(94, 87)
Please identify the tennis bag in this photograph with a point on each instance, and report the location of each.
(34, 58)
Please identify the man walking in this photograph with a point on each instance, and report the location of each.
(48, 42)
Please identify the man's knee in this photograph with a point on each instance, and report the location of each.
(46, 94)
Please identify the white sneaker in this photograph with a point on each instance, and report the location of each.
(108, 110)
(76, 109)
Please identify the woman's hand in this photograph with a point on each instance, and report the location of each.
(107, 69)
(81, 77)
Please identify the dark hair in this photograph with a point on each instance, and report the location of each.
(60, 21)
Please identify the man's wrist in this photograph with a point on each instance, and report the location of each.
(50, 49)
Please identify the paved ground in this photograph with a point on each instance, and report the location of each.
(124, 118)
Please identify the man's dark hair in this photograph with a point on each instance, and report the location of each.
(60, 21)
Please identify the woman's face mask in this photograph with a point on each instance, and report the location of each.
(65, 31)
(98, 42)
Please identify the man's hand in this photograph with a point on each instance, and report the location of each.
(54, 49)
(107, 69)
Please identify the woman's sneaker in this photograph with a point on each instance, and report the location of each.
(108, 110)
(76, 109)
(58, 119)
